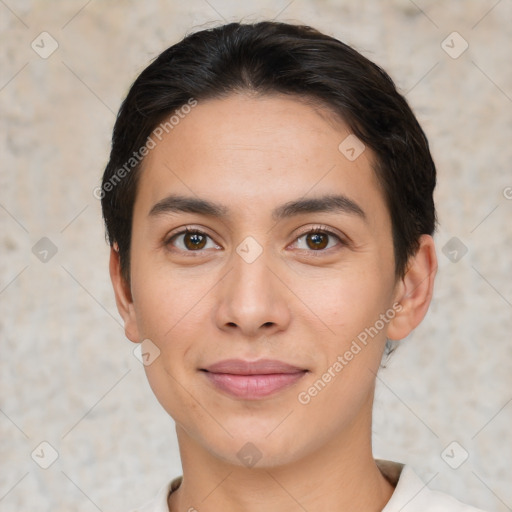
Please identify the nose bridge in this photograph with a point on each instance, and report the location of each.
(252, 299)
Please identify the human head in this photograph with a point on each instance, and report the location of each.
(258, 163)
(265, 58)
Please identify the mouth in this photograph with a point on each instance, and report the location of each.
(252, 380)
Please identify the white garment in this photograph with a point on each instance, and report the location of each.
(410, 495)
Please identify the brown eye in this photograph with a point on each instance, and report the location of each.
(317, 240)
(194, 241)
(191, 241)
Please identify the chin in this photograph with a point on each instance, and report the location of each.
(258, 455)
(259, 448)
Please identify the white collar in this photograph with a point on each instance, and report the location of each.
(411, 493)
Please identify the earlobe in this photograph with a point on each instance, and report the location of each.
(414, 291)
(123, 296)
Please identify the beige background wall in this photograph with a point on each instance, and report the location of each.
(68, 376)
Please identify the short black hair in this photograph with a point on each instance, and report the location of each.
(266, 58)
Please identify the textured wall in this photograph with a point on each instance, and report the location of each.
(68, 376)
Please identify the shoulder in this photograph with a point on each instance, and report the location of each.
(159, 502)
(413, 495)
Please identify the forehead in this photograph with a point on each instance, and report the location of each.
(252, 152)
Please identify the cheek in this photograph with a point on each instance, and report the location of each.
(164, 302)
(350, 304)
(170, 312)
(175, 398)
(352, 347)
(344, 300)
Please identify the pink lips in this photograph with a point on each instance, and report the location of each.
(252, 380)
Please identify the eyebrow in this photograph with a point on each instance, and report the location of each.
(324, 204)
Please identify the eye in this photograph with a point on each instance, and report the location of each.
(318, 239)
(191, 240)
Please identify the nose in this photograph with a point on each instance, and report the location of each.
(252, 300)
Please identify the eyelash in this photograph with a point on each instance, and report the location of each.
(319, 229)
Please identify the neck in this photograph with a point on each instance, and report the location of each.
(341, 475)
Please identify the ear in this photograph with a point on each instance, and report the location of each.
(123, 296)
(414, 291)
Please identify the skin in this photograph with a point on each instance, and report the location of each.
(295, 302)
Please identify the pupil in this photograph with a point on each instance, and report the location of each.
(194, 241)
(318, 240)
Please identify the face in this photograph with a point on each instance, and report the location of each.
(288, 257)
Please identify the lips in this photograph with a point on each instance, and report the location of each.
(261, 367)
(252, 380)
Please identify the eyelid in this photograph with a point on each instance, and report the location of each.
(183, 231)
(342, 239)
